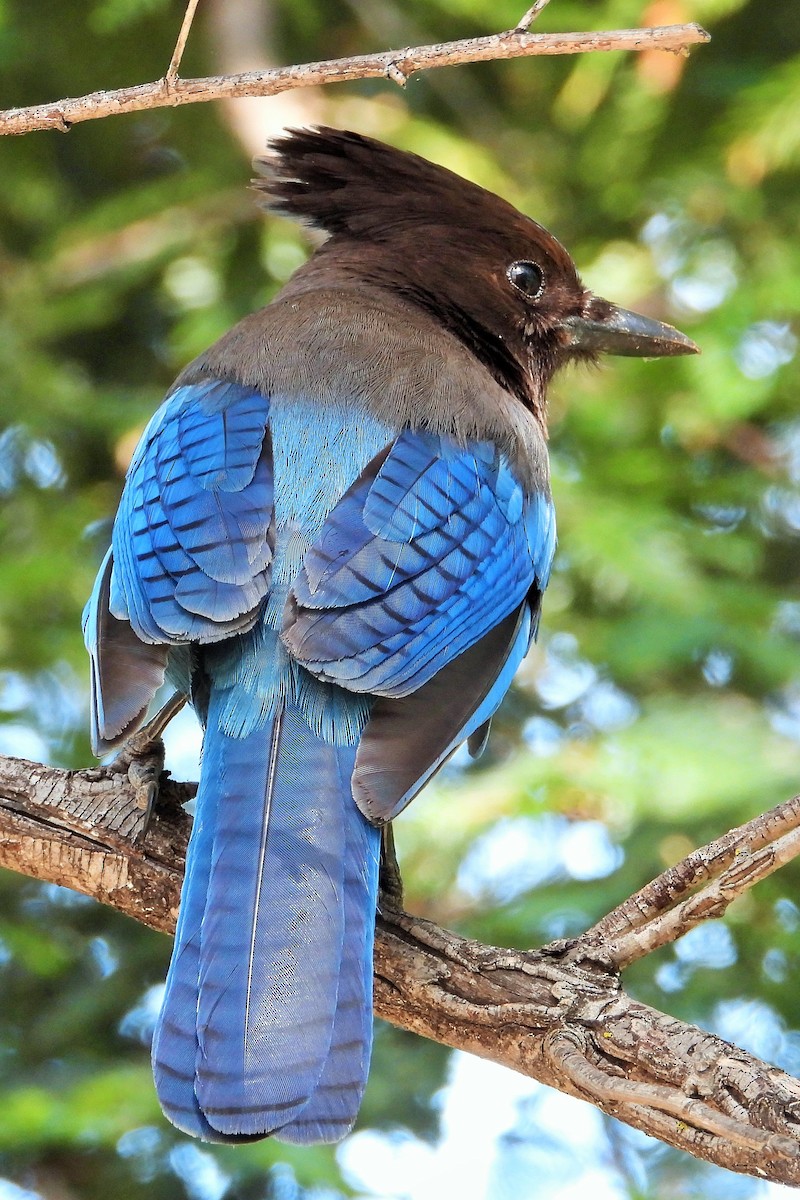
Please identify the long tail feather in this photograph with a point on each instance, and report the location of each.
(333, 1105)
(175, 1040)
(266, 1023)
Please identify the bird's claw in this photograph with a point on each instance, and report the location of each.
(142, 762)
(144, 774)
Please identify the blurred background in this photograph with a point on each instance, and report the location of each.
(662, 704)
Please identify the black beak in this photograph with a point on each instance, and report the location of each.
(607, 329)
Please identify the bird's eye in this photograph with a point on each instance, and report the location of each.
(526, 278)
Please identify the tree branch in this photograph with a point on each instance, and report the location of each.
(397, 65)
(558, 1015)
(669, 907)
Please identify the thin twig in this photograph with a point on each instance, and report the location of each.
(695, 870)
(530, 16)
(63, 114)
(709, 903)
(177, 54)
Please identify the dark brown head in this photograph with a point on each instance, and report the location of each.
(497, 280)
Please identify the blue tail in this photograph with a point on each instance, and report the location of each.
(267, 1018)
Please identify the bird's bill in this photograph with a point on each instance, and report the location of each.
(619, 331)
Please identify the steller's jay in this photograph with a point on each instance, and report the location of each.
(334, 537)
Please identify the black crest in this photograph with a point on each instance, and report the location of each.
(354, 186)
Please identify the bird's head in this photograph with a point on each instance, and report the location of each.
(496, 279)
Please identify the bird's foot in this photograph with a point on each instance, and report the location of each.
(141, 759)
(142, 765)
(390, 894)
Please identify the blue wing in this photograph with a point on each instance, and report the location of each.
(423, 588)
(429, 550)
(192, 540)
(192, 547)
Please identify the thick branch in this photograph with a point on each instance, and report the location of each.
(558, 1014)
(394, 64)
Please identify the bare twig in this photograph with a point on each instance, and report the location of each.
(558, 1014)
(710, 902)
(169, 92)
(699, 887)
(177, 54)
(530, 16)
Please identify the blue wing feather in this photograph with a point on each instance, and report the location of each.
(423, 555)
(192, 540)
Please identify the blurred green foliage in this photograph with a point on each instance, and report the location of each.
(662, 705)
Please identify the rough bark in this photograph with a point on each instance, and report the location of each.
(559, 1014)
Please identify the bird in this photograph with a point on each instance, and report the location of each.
(333, 538)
